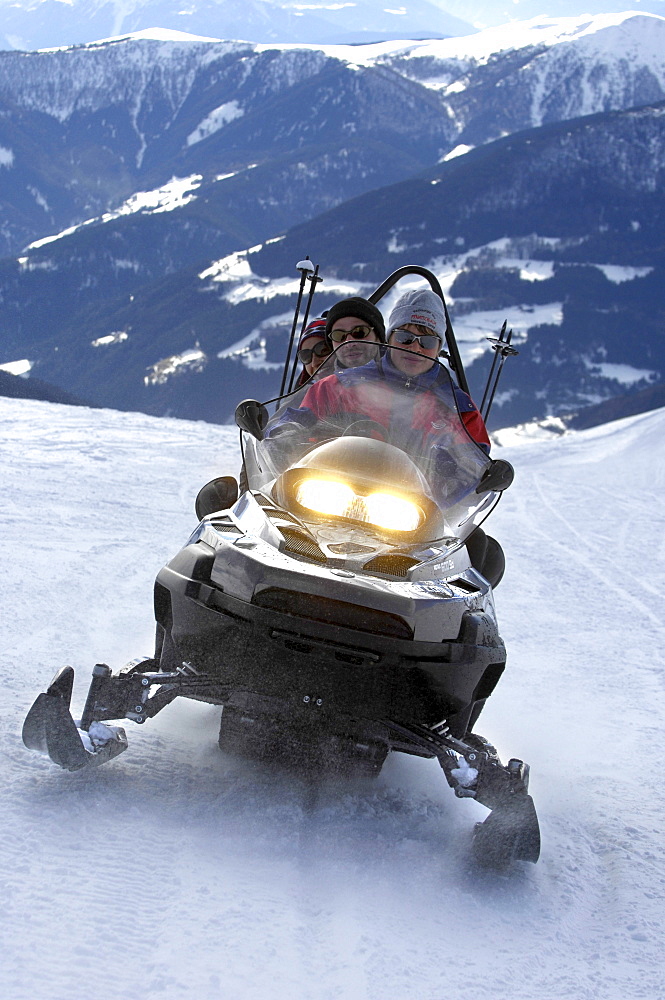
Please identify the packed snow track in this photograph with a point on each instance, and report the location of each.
(179, 872)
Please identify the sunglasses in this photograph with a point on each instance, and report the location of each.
(358, 333)
(322, 350)
(428, 341)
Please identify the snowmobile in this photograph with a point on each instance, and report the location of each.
(331, 609)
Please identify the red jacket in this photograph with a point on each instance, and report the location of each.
(342, 392)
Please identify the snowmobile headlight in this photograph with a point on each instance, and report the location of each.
(395, 513)
(325, 496)
(384, 510)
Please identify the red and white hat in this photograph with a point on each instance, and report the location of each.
(317, 328)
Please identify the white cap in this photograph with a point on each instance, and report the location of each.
(421, 307)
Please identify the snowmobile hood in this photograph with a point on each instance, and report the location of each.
(361, 458)
(362, 471)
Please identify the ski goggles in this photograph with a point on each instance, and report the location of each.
(428, 341)
(358, 333)
(322, 350)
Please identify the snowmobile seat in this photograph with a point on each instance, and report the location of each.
(218, 494)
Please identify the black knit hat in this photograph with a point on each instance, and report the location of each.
(363, 309)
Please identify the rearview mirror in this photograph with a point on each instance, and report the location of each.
(251, 416)
(498, 477)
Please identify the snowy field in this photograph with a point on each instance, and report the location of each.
(178, 872)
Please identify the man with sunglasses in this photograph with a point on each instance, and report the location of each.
(355, 331)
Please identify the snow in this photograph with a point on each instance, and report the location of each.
(457, 151)
(535, 430)
(606, 56)
(116, 337)
(534, 270)
(23, 261)
(599, 30)
(176, 193)
(252, 349)
(599, 54)
(618, 274)
(176, 871)
(21, 367)
(235, 173)
(193, 360)
(157, 35)
(39, 198)
(626, 374)
(214, 121)
(236, 270)
(473, 328)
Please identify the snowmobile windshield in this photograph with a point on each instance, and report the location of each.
(376, 446)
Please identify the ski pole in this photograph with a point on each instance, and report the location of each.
(305, 267)
(494, 361)
(313, 279)
(506, 351)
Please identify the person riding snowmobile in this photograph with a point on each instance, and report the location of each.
(415, 334)
(354, 329)
(415, 329)
(313, 350)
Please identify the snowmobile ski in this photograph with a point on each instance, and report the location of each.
(50, 729)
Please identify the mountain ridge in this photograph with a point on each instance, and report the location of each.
(311, 166)
(36, 24)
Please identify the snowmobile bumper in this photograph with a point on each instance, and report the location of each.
(274, 646)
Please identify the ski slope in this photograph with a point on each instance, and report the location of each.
(178, 872)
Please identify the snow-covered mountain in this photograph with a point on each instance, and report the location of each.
(487, 13)
(133, 166)
(564, 246)
(34, 24)
(82, 129)
(177, 871)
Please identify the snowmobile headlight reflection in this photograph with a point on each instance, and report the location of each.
(384, 510)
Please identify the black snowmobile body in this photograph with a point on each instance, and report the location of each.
(331, 609)
(308, 646)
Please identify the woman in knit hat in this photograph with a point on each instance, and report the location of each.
(313, 349)
(417, 325)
